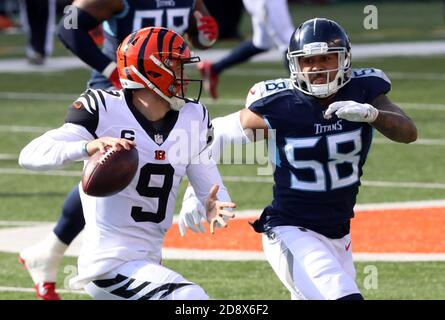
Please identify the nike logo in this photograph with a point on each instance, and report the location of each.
(347, 246)
(252, 91)
(42, 290)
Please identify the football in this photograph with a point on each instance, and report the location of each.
(109, 173)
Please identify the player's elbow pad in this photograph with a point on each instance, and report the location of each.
(230, 129)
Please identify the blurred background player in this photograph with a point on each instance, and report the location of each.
(272, 27)
(228, 14)
(124, 232)
(323, 119)
(38, 21)
(118, 18)
(5, 11)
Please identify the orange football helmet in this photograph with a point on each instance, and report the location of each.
(154, 58)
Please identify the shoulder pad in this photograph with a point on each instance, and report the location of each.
(267, 88)
(369, 72)
(90, 100)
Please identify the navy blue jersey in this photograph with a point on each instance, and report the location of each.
(137, 14)
(318, 162)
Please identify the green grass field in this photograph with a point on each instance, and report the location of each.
(417, 86)
(239, 280)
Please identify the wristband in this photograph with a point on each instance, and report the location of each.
(85, 150)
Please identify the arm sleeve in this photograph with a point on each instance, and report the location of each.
(56, 148)
(202, 177)
(78, 40)
(228, 129)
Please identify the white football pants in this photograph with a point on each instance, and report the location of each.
(143, 280)
(310, 265)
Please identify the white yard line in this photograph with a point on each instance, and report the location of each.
(38, 129)
(249, 179)
(55, 173)
(23, 129)
(400, 205)
(400, 184)
(423, 142)
(273, 73)
(21, 223)
(235, 255)
(8, 156)
(254, 213)
(19, 289)
(27, 233)
(41, 96)
(383, 184)
(398, 257)
(359, 51)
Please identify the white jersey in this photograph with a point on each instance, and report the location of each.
(131, 224)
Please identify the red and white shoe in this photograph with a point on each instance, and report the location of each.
(47, 291)
(42, 261)
(44, 290)
(210, 78)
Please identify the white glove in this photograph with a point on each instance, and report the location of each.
(192, 214)
(352, 111)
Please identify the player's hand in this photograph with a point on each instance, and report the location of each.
(192, 214)
(216, 215)
(352, 111)
(103, 144)
(207, 29)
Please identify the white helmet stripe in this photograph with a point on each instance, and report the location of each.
(149, 83)
(161, 65)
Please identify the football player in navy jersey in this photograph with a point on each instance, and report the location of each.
(119, 18)
(323, 118)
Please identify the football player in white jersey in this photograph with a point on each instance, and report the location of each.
(119, 19)
(121, 252)
(323, 119)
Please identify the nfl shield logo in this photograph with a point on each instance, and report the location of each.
(159, 138)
